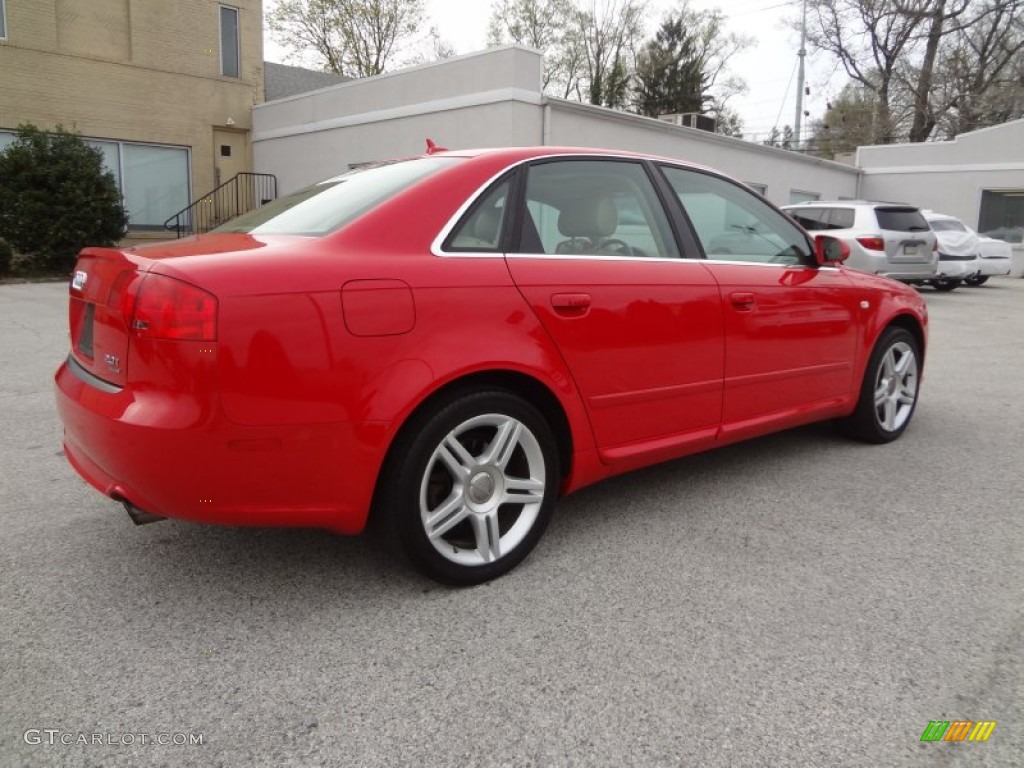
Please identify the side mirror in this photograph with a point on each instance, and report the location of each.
(829, 251)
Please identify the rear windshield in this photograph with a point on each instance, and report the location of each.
(901, 220)
(333, 203)
(947, 225)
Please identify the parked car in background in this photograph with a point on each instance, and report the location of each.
(889, 239)
(1006, 234)
(996, 259)
(959, 251)
(449, 343)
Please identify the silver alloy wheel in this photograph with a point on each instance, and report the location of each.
(482, 489)
(896, 386)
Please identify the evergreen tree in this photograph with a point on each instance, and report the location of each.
(56, 197)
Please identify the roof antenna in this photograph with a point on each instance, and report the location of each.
(432, 148)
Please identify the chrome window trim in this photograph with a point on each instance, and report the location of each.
(437, 250)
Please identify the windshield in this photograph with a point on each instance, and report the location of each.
(333, 203)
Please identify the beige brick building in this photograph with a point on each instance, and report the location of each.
(164, 88)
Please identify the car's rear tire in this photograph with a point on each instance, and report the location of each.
(945, 285)
(888, 393)
(976, 280)
(471, 486)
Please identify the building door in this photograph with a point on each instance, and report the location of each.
(230, 157)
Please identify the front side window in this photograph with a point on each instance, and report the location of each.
(734, 225)
(229, 48)
(332, 204)
(594, 208)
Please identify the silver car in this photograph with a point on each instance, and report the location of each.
(890, 239)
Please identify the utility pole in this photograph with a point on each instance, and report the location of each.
(802, 53)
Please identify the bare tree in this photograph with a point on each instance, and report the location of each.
(870, 38)
(611, 31)
(550, 26)
(848, 123)
(351, 37)
(980, 76)
(924, 60)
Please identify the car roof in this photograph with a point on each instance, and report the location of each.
(521, 154)
(832, 203)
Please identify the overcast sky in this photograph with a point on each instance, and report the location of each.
(768, 66)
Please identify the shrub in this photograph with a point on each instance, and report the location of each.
(6, 255)
(56, 198)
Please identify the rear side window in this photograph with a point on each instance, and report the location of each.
(332, 204)
(901, 219)
(811, 219)
(841, 218)
(480, 230)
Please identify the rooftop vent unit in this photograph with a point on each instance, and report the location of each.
(690, 120)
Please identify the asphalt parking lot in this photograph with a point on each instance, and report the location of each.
(798, 600)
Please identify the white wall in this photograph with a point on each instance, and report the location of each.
(947, 176)
(493, 98)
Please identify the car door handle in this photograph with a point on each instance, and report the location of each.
(570, 303)
(744, 301)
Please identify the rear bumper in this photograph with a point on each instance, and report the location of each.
(906, 271)
(994, 267)
(174, 457)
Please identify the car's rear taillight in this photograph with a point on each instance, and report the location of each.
(165, 308)
(122, 294)
(872, 243)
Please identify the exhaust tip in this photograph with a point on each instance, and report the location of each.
(139, 516)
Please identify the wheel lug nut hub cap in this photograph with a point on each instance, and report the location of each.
(481, 488)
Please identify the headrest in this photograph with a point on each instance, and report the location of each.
(594, 216)
(485, 226)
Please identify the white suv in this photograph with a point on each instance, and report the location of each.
(890, 239)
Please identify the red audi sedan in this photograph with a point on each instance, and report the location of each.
(450, 342)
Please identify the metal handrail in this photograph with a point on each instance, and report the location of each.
(240, 194)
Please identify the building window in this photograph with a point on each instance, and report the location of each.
(153, 178)
(155, 183)
(800, 196)
(761, 189)
(1002, 214)
(3, 20)
(229, 53)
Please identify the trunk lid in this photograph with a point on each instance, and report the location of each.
(99, 311)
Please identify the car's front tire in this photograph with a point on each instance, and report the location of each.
(945, 284)
(976, 280)
(471, 486)
(888, 394)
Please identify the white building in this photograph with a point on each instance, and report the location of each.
(495, 98)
